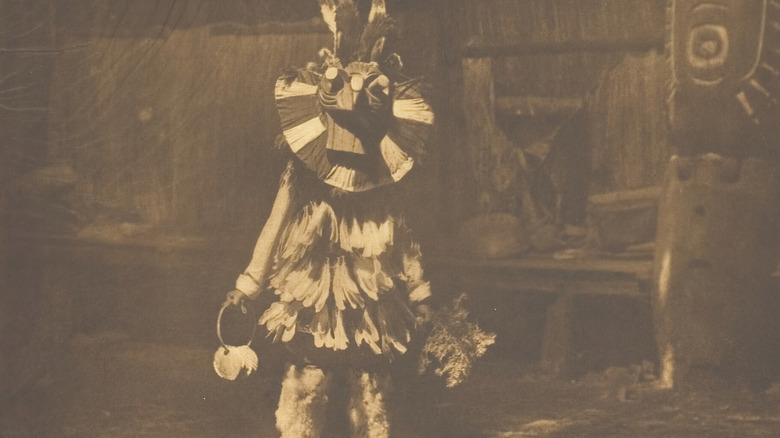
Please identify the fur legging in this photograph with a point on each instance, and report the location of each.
(303, 403)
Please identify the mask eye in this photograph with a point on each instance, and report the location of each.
(332, 81)
(374, 82)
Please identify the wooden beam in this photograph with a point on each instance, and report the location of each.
(537, 106)
(582, 276)
(520, 48)
(272, 28)
(638, 267)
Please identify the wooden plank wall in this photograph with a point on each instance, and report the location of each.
(627, 124)
(177, 130)
(28, 54)
(169, 116)
(542, 21)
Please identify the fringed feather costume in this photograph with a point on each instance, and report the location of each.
(346, 272)
(335, 251)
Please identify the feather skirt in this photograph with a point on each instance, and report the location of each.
(348, 277)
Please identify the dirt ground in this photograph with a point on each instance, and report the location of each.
(110, 386)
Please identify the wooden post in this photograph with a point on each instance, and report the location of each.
(715, 253)
(557, 338)
(716, 246)
(487, 142)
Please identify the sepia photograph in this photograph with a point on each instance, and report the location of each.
(389, 218)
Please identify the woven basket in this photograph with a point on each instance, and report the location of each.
(494, 236)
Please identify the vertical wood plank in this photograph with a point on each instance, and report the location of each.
(486, 142)
(557, 337)
(627, 125)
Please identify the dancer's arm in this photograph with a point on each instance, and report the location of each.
(251, 282)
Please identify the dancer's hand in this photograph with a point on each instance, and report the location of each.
(236, 298)
(424, 315)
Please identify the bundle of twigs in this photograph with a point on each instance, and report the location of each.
(454, 343)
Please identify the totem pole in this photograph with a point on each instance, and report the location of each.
(716, 245)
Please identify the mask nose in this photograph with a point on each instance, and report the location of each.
(377, 85)
(356, 83)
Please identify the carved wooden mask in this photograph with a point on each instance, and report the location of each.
(352, 120)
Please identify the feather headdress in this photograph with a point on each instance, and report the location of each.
(351, 122)
(352, 39)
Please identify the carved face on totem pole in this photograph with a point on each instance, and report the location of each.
(353, 120)
(725, 61)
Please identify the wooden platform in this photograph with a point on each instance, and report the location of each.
(629, 276)
(565, 279)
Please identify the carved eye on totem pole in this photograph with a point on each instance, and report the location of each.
(354, 121)
(725, 59)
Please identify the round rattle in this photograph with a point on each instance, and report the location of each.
(229, 360)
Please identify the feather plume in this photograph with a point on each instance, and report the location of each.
(366, 277)
(272, 315)
(280, 314)
(300, 282)
(383, 281)
(357, 234)
(338, 284)
(321, 327)
(349, 29)
(288, 333)
(371, 244)
(344, 235)
(344, 287)
(386, 232)
(320, 288)
(328, 11)
(301, 234)
(323, 287)
(284, 269)
(330, 341)
(339, 334)
(419, 291)
(378, 9)
(291, 315)
(372, 237)
(293, 235)
(368, 333)
(383, 28)
(281, 320)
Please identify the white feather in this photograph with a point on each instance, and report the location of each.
(328, 10)
(249, 359)
(378, 8)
